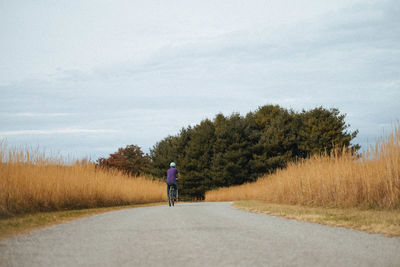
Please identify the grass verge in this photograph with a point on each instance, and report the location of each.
(336, 179)
(25, 223)
(385, 222)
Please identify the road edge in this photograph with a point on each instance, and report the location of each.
(26, 223)
(370, 221)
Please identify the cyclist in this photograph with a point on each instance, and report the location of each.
(172, 177)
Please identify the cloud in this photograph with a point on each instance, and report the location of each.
(356, 44)
(33, 114)
(55, 131)
(348, 58)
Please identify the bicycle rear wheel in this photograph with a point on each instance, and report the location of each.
(171, 196)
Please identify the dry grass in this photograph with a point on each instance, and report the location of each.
(32, 182)
(385, 222)
(339, 180)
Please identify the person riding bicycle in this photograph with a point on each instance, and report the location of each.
(172, 177)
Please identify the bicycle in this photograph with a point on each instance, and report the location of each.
(171, 196)
(171, 200)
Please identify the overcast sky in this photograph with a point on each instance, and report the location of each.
(83, 78)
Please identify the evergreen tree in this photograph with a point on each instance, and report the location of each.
(196, 160)
(322, 130)
(231, 151)
(162, 154)
(276, 129)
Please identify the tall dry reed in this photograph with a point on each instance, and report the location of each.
(338, 180)
(30, 181)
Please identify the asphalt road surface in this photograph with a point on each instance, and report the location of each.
(196, 234)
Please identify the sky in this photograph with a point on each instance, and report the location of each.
(83, 78)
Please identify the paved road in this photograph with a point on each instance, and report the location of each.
(196, 234)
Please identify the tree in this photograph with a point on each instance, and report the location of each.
(195, 160)
(323, 130)
(231, 150)
(171, 148)
(130, 159)
(275, 129)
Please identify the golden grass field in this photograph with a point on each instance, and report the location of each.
(31, 182)
(371, 180)
(385, 222)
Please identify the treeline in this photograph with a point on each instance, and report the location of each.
(232, 150)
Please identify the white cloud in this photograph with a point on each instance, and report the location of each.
(33, 114)
(55, 131)
(39, 37)
(159, 67)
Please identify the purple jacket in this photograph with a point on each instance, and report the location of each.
(171, 175)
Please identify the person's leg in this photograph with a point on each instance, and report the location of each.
(175, 188)
(168, 185)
